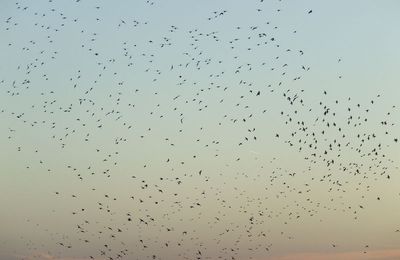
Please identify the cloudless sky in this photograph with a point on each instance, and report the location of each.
(127, 98)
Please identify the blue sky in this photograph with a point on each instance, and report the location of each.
(126, 99)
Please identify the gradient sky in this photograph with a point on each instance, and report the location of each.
(103, 101)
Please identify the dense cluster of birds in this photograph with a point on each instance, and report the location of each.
(171, 131)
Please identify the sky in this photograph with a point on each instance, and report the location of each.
(199, 129)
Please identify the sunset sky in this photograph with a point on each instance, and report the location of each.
(264, 130)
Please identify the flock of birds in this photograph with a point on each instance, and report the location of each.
(171, 131)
